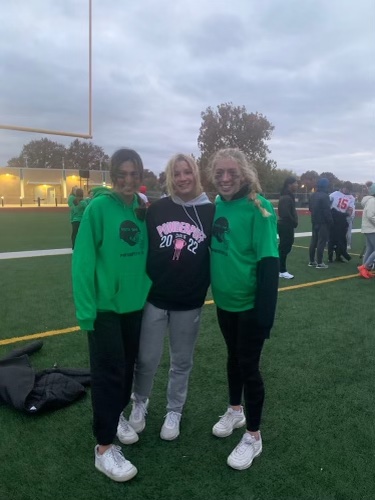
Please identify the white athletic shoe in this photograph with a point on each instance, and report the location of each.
(171, 426)
(286, 275)
(137, 418)
(231, 420)
(244, 453)
(125, 432)
(114, 465)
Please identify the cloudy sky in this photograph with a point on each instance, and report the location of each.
(308, 65)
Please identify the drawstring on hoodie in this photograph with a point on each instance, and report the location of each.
(191, 218)
(202, 199)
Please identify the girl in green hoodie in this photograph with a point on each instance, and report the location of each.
(110, 286)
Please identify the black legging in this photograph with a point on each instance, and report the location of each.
(75, 227)
(337, 236)
(244, 343)
(113, 347)
(286, 235)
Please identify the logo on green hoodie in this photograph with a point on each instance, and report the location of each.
(130, 233)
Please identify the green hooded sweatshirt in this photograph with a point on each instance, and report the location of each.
(241, 237)
(109, 259)
(71, 199)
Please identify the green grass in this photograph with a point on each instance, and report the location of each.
(33, 230)
(317, 428)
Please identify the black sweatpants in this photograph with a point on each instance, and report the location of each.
(319, 238)
(75, 227)
(113, 348)
(286, 240)
(244, 342)
(337, 236)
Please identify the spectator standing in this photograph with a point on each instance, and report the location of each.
(342, 207)
(286, 223)
(78, 208)
(321, 221)
(70, 202)
(142, 193)
(368, 229)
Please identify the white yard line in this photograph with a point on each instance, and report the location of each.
(66, 251)
(35, 253)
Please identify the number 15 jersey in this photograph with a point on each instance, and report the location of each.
(344, 203)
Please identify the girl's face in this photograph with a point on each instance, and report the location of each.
(127, 181)
(184, 181)
(227, 177)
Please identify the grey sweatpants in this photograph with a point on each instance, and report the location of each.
(369, 257)
(183, 332)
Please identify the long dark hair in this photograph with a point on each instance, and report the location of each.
(288, 181)
(122, 155)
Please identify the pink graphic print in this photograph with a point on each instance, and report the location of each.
(179, 244)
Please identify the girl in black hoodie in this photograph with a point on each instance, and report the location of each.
(286, 223)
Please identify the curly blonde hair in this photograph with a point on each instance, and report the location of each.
(169, 171)
(247, 170)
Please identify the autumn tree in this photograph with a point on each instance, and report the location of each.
(41, 153)
(309, 179)
(334, 182)
(275, 180)
(86, 155)
(232, 126)
(150, 180)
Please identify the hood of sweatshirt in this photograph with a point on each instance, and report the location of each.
(104, 191)
(202, 199)
(365, 200)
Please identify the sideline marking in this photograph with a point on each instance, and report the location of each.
(66, 251)
(207, 303)
(39, 335)
(35, 253)
(306, 248)
(313, 283)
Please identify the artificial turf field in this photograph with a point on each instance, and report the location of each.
(318, 367)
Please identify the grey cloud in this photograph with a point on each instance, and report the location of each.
(307, 65)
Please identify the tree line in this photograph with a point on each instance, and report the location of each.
(226, 126)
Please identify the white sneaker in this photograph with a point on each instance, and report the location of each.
(137, 418)
(231, 419)
(171, 426)
(244, 453)
(114, 465)
(125, 432)
(286, 275)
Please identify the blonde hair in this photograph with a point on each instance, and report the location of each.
(247, 170)
(169, 173)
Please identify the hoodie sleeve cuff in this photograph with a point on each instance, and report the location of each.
(87, 324)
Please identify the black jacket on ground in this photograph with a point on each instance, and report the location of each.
(32, 392)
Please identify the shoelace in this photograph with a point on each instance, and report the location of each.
(125, 424)
(173, 419)
(140, 410)
(245, 443)
(117, 455)
(226, 417)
